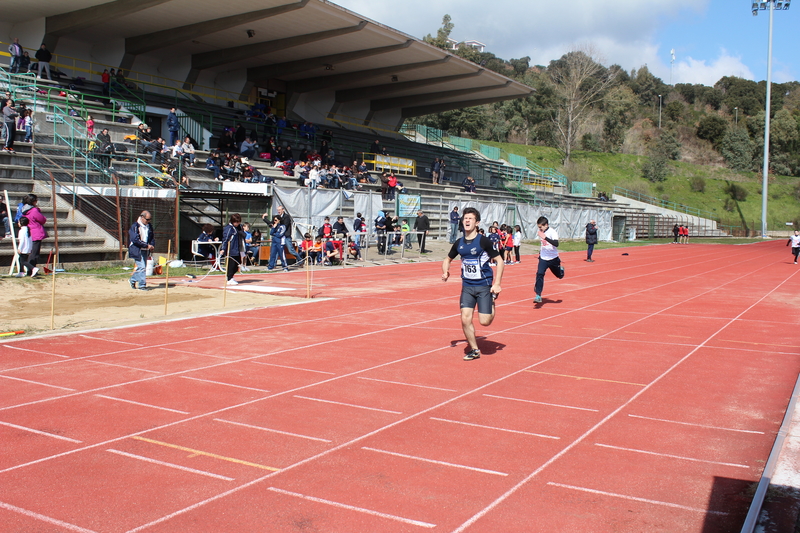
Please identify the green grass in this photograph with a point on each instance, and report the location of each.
(610, 170)
(578, 245)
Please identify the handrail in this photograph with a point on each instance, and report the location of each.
(658, 202)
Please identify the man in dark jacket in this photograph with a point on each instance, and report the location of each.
(15, 51)
(422, 225)
(44, 56)
(591, 239)
(141, 243)
(173, 125)
(455, 218)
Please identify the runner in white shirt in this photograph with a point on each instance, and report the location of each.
(794, 240)
(548, 256)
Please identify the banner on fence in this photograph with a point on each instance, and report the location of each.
(408, 205)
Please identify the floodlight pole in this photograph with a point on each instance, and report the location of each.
(764, 185)
(659, 111)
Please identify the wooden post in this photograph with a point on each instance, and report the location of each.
(227, 266)
(308, 273)
(166, 287)
(55, 256)
(119, 218)
(15, 261)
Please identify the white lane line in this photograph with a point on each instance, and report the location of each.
(409, 384)
(43, 518)
(635, 499)
(681, 457)
(124, 366)
(108, 340)
(352, 508)
(36, 382)
(34, 351)
(46, 434)
(495, 428)
(295, 368)
(424, 460)
(142, 404)
(349, 405)
(226, 384)
(542, 403)
(697, 425)
(170, 465)
(271, 430)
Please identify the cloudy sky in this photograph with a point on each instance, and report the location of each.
(711, 38)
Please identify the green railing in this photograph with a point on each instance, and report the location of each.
(658, 202)
(582, 188)
(70, 133)
(132, 99)
(490, 152)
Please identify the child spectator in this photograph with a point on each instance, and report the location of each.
(90, 127)
(509, 245)
(494, 238)
(326, 231)
(28, 126)
(206, 250)
(517, 241)
(354, 249)
(309, 250)
(24, 245)
(329, 254)
(405, 228)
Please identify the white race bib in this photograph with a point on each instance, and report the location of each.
(470, 269)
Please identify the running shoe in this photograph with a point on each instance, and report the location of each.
(34, 271)
(561, 269)
(474, 354)
(538, 299)
(232, 282)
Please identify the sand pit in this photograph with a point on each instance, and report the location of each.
(91, 302)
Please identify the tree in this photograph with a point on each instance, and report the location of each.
(442, 35)
(579, 82)
(675, 110)
(619, 104)
(712, 128)
(737, 150)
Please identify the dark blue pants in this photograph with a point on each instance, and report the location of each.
(554, 265)
(589, 251)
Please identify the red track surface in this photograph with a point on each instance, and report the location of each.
(643, 395)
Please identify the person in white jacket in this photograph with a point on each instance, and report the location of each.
(25, 247)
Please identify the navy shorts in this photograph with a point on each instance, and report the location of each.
(481, 295)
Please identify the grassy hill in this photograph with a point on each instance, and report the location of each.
(621, 170)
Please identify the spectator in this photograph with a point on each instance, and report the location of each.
(105, 77)
(286, 220)
(89, 126)
(15, 51)
(286, 153)
(281, 124)
(359, 227)
(422, 225)
(5, 219)
(340, 228)
(469, 184)
(226, 144)
(380, 229)
(329, 254)
(142, 241)
(212, 163)
(158, 148)
(454, 220)
(173, 125)
(28, 126)
(391, 186)
(105, 148)
(240, 135)
(247, 148)
(326, 230)
(176, 150)
(375, 148)
(9, 125)
(385, 186)
(24, 247)
(25, 63)
(435, 168)
(188, 151)
(44, 56)
(591, 239)
(37, 220)
(406, 238)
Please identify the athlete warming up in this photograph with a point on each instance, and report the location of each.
(479, 285)
(548, 257)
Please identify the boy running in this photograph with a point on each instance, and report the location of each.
(794, 240)
(479, 285)
(548, 257)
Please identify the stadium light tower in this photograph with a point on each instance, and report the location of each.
(771, 5)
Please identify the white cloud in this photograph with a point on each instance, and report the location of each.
(693, 70)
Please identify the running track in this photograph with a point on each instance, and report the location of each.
(643, 395)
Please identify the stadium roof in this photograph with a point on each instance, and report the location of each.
(297, 47)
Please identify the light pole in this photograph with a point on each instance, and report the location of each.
(736, 120)
(659, 111)
(772, 5)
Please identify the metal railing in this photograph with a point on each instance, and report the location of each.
(665, 204)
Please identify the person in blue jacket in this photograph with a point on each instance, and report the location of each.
(142, 242)
(278, 233)
(174, 126)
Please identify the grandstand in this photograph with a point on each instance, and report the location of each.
(357, 80)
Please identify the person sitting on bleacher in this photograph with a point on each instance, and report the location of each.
(247, 148)
(226, 143)
(340, 228)
(330, 255)
(469, 184)
(206, 250)
(312, 181)
(286, 153)
(310, 249)
(176, 150)
(301, 172)
(212, 163)
(188, 151)
(326, 230)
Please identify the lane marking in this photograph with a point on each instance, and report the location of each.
(495, 428)
(295, 368)
(348, 405)
(170, 465)
(109, 340)
(43, 518)
(433, 461)
(408, 384)
(142, 404)
(196, 354)
(755, 343)
(543, 403)
(271, 430)
(635, 499)
(124, 366)
(207, 454)
(670, 456)
(12, 347)
(38, 432)
(226, 384)
(36, 383)
(352, 508)
(697, 425)
(579, 378)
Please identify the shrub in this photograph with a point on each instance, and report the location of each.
(737, 149)
(698, 184)
(712, 128)
(655, 169)
(736, 192)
